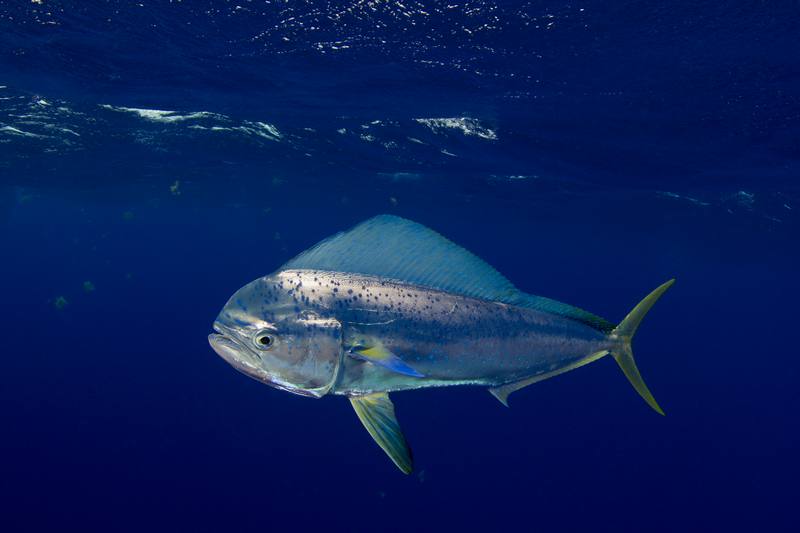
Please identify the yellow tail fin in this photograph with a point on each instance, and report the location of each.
(623, 354)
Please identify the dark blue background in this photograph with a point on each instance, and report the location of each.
(634, 144)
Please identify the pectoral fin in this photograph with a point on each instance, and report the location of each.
(376, 412)
(375, 352)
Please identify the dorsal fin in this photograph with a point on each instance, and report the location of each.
(570, 311)
(396, 248)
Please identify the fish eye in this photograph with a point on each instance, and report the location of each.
(264, 340)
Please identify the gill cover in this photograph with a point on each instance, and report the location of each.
(308, 362)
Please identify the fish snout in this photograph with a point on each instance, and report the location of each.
(225, 347)
(234, 354)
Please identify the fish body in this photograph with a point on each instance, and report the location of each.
(447, 339)
(392, 306)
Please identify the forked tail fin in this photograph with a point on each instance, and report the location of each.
(623, 354)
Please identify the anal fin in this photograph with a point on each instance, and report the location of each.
(376, 412)
(502, 392)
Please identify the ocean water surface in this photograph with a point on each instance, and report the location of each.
(155, 156)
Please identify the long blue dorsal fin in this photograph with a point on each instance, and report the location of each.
(396, 248)
(570, 311)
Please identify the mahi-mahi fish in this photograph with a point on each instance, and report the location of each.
(391, 305)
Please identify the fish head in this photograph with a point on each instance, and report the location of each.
(267, 333)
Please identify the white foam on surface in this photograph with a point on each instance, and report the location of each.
(258, 129)
(11, 130)
(468, 126)
(262, 129)
(161, 115)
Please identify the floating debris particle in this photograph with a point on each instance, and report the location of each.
(88, 286)
(277, 182)
(266, 210)
(393, 200)
(689, 199)
(175, 188)
(128, 276)
(60, 303)
(402, 176)
(743, 199)
(127, 215)
(23, 199)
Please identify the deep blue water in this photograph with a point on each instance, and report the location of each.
(155, 156)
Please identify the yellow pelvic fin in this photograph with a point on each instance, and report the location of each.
(376, 412)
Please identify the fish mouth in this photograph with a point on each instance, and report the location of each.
(233, 353)
(225, 347)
